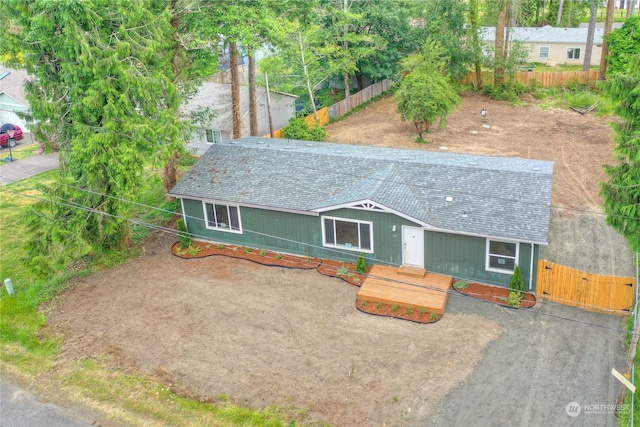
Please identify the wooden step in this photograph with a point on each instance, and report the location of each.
(406, 270)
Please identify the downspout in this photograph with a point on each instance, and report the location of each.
(531, 269)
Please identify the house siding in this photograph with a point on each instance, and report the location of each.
(456, 255)
(464, 257)
(301, 234)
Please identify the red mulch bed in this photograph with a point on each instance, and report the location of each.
(495, 294)
(242, 252)
(327, 267)
(387, 310)
(331, 268)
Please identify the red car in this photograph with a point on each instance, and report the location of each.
(10, 135)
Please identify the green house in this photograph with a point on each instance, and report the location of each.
(472, 217)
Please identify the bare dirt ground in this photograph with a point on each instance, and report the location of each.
(266, 335)
(579, 146)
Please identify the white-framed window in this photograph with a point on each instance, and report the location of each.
(212, 136)
(502, 256)
(222, 217)
(573, 53)
(347, 234)
(544, 51)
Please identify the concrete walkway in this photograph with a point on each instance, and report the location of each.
(24, 168)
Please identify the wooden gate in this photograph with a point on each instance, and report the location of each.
(610, 294)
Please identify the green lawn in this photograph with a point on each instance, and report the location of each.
(29, 354)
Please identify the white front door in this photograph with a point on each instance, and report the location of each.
(413, 246)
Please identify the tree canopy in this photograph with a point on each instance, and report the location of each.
(623, 43)
(621, 192)
(102, 82)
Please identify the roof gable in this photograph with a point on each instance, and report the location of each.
(460, 193)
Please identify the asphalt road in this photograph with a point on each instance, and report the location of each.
(19, 408)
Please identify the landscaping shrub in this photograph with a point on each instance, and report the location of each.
(183, 235)
(361, 264)
(299, 129)
(516, 287)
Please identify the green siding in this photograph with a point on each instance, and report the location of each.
(301, 234)
(455, 255)
(465, 256)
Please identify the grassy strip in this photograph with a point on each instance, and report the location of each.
(100, 384)
(624, 419)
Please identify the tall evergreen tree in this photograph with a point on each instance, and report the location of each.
(621, 192)
(101, 74)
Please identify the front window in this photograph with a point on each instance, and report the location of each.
(348, 234)
(501, 256)
(544, 51)
(222, 217)
(573, 53)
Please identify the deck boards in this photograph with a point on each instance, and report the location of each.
(384, 284)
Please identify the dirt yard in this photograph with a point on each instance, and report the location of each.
(266, 335)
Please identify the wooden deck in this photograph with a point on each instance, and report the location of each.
(389, 285)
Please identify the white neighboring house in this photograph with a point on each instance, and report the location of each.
(217, 97)
(553, 46)
(12, 99)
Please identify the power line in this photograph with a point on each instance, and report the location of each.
(176, 233)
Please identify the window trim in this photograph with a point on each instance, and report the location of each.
(349, 248)
(548, 52)
(214, 134)
(489, 254)
(216, 228)
(579, 49)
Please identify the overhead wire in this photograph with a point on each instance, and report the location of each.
(175, 232)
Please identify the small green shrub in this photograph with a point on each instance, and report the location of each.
(421, 140)
(299, 129)
(263, 252)
(517, 282)
(343, 272)
(461, 284)
(364, 303)
(515, 298)
(278, 256)
(379, 305)
(434, 316)
(247, 250)
(234, 248)
(183, 234)
(394, 307)
(422, 310)
(361, 264)
(220, 246)
(409, 311)
(356, 280)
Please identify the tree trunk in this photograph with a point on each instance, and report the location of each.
(235, 90)
(345, 46)
(559, 17)
(608, 23)
(630, 6)
(253, 107)
(307, 79)
(586, 65)
(498, 77)
(477, 48)
(169, 176)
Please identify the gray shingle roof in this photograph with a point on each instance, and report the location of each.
(546, 34)
(492, 196)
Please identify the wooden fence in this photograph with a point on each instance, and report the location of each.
(343, 107)
(544, 78)
(565, 285)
